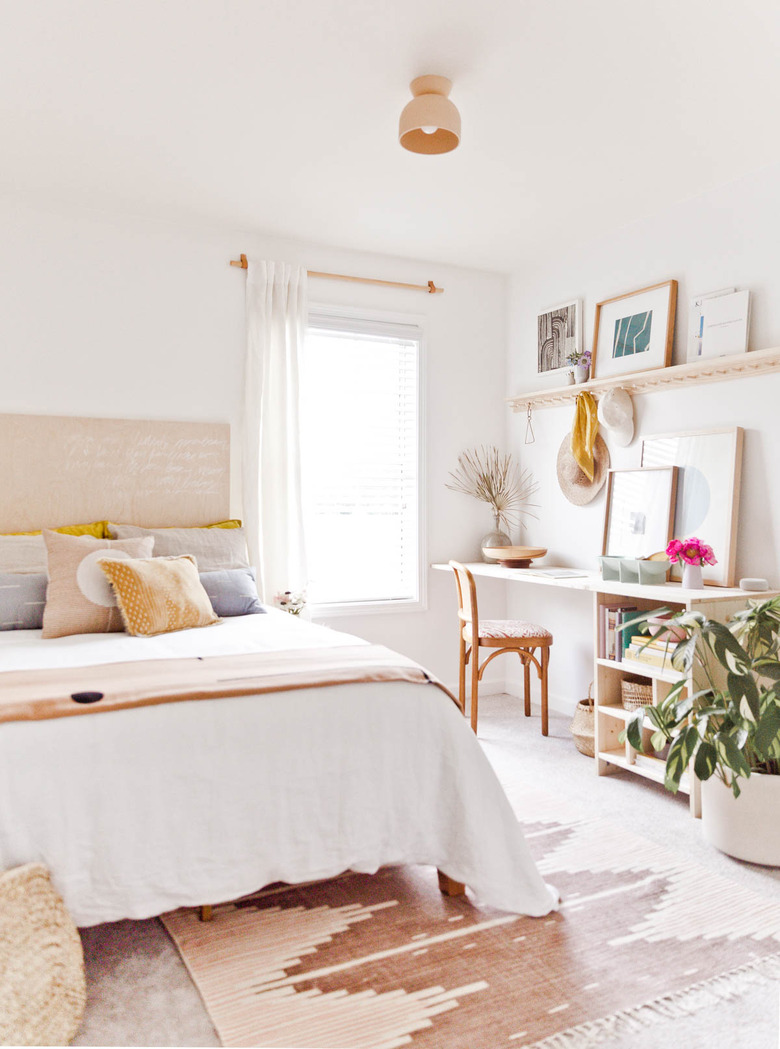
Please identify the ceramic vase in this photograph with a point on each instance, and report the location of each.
(581, 372)
(493, 539)
(691, 577)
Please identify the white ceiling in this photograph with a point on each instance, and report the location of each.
(281, 117)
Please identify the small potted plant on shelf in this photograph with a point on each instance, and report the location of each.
(726, 731)
(580, 362)
(692, 553)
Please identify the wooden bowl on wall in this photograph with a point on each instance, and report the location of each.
(514, 556)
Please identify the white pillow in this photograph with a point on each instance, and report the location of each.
(214, 549)
(22, 553)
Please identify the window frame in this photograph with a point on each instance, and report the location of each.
(388, 606)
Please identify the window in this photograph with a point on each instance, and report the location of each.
(360, 434)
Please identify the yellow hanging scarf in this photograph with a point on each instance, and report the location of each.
(584, 432)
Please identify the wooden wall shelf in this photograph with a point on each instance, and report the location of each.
(715, 369)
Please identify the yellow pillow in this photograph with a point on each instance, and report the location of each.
(98, 529)
(234, 523)
(158, 595)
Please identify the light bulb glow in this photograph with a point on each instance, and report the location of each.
(429, 130)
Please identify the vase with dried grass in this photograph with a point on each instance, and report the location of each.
(494, 478)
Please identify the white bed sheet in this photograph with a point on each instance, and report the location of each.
(140, 811)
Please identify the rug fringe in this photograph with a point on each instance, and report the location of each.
(668, 1007)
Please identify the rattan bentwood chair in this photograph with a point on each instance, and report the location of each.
(500, 635)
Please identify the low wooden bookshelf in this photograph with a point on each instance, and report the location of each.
(611, 716)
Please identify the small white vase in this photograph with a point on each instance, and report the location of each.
(581, 372)
(691, 577)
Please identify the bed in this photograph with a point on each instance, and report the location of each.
(139, 811)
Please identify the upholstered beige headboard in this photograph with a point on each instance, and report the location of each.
(58, 470)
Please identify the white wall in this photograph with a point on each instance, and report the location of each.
(727, 237)
(108, 315)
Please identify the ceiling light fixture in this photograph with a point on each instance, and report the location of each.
(430, 123)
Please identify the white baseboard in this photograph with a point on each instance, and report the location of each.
(556, 703)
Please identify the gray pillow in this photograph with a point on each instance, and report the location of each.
(232, 592)
(214, 549)
(22, 599)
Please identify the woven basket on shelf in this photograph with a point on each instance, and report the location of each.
(42, 985)
(635, 693)
(583, 726)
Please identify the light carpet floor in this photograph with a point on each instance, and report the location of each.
(140, 993)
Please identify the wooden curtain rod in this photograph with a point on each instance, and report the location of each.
(430, 287)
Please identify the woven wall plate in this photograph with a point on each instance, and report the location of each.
(42, 984)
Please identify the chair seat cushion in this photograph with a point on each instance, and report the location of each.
(520, 629)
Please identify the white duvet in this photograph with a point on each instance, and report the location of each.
(136, 812)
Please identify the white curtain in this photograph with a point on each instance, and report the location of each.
(276, 313)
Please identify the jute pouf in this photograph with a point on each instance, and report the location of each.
(42, 985)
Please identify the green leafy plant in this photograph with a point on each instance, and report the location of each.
(729, 728)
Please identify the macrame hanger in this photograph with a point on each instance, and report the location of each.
(530, 437)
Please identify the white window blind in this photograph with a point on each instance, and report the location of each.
(360, 430)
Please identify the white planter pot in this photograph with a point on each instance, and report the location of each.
(747, 827)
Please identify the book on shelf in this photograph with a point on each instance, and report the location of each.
(656, 644)
(612, 640)
(651, 656)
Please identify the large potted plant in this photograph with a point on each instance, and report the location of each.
(727, 728)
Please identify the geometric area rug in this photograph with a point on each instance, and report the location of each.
(382, 961)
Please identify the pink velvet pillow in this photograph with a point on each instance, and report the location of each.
(79, 598)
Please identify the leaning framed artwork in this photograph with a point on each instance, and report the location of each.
(709, 467)
(635, 331)
(559, 334)
(640, 511)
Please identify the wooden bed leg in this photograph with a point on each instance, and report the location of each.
(450, 887)
(206, 912)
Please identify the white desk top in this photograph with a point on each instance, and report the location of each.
(593, 583)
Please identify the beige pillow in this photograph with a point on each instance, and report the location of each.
(159, 595)
(214, 549)
(79, 599)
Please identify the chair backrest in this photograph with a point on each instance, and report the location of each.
(467, 596)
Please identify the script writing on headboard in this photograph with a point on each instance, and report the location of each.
(57, 470)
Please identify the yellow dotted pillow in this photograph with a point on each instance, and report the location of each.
(158, 595)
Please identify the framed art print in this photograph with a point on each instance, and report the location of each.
(640, 511)
(709, 464)
(634, 332)
(559, 333)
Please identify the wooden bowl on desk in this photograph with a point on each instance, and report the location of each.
(514, 556)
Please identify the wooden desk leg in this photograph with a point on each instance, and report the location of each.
(450, 887)
(206, 912)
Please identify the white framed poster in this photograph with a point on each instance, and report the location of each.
(559, 334)
(709, 467)
(640, 511)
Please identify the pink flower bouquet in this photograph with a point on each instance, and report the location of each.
(691, 552)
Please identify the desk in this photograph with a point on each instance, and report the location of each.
(610, 715)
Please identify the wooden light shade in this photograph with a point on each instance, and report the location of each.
(430, 123)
